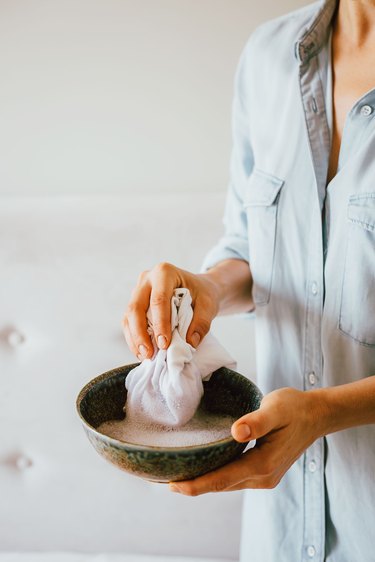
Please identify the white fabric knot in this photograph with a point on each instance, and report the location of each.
(167, 389)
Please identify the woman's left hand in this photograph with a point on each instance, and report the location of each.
(286, 424)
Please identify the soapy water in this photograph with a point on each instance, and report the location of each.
(203, 428)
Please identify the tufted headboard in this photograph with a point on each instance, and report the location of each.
(67, 268)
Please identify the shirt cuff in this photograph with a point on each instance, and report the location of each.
(229, 247)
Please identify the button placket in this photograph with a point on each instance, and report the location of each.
(313, 535)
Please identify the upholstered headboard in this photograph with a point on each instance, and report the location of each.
(67, 268)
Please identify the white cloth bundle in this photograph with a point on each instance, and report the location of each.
(167, 389)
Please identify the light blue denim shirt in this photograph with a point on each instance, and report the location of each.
(314, 280)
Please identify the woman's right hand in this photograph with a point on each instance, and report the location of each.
(154, 290)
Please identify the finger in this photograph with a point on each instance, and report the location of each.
(218, 480)
(128, 337)
(266, 482)
(163, 281)
(245, 485)
(141, 345)
(204, 312)
(135, 322)
(257, 424)
(263, 483)
(259, 465)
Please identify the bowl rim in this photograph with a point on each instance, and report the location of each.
(139, 447)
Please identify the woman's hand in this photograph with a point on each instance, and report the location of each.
(226, 287)
(286, 424)
(154, 290)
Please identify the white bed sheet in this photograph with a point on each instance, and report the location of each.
(101, 557)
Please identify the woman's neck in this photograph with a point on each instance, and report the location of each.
(356, 22)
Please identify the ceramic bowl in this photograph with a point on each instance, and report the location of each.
(103, 399)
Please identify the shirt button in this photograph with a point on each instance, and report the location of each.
(312, 466)
(310, 551)
(314, 288)
(312, 378)
(366, 110)
(15, 338)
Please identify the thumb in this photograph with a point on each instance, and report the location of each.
(199, 327)
(203, 314)
(256, 424)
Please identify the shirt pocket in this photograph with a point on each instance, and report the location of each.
(261, 202)
(357, 309)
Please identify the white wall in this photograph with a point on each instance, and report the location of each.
(120, 95)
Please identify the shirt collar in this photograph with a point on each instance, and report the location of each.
(315, 36)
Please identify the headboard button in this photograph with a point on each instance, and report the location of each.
(23, 462)
(15, 338)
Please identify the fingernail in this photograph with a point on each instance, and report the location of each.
(162, 342)
(243, 431)
(195, 339)
(142, 352)
(174, 488)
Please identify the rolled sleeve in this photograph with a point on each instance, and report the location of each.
(234, 243)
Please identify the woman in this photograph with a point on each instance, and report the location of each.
(299, 248)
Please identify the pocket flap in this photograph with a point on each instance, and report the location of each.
(262, 189)
(361, 210)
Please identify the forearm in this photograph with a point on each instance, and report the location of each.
(233, 282)
(347, 405)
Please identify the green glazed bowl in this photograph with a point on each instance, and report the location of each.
(103, 399)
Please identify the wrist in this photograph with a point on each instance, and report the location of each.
(344, 406)
(216, 284)
(232, 284)
(321, 411)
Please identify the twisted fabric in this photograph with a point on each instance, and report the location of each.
(167, 389)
